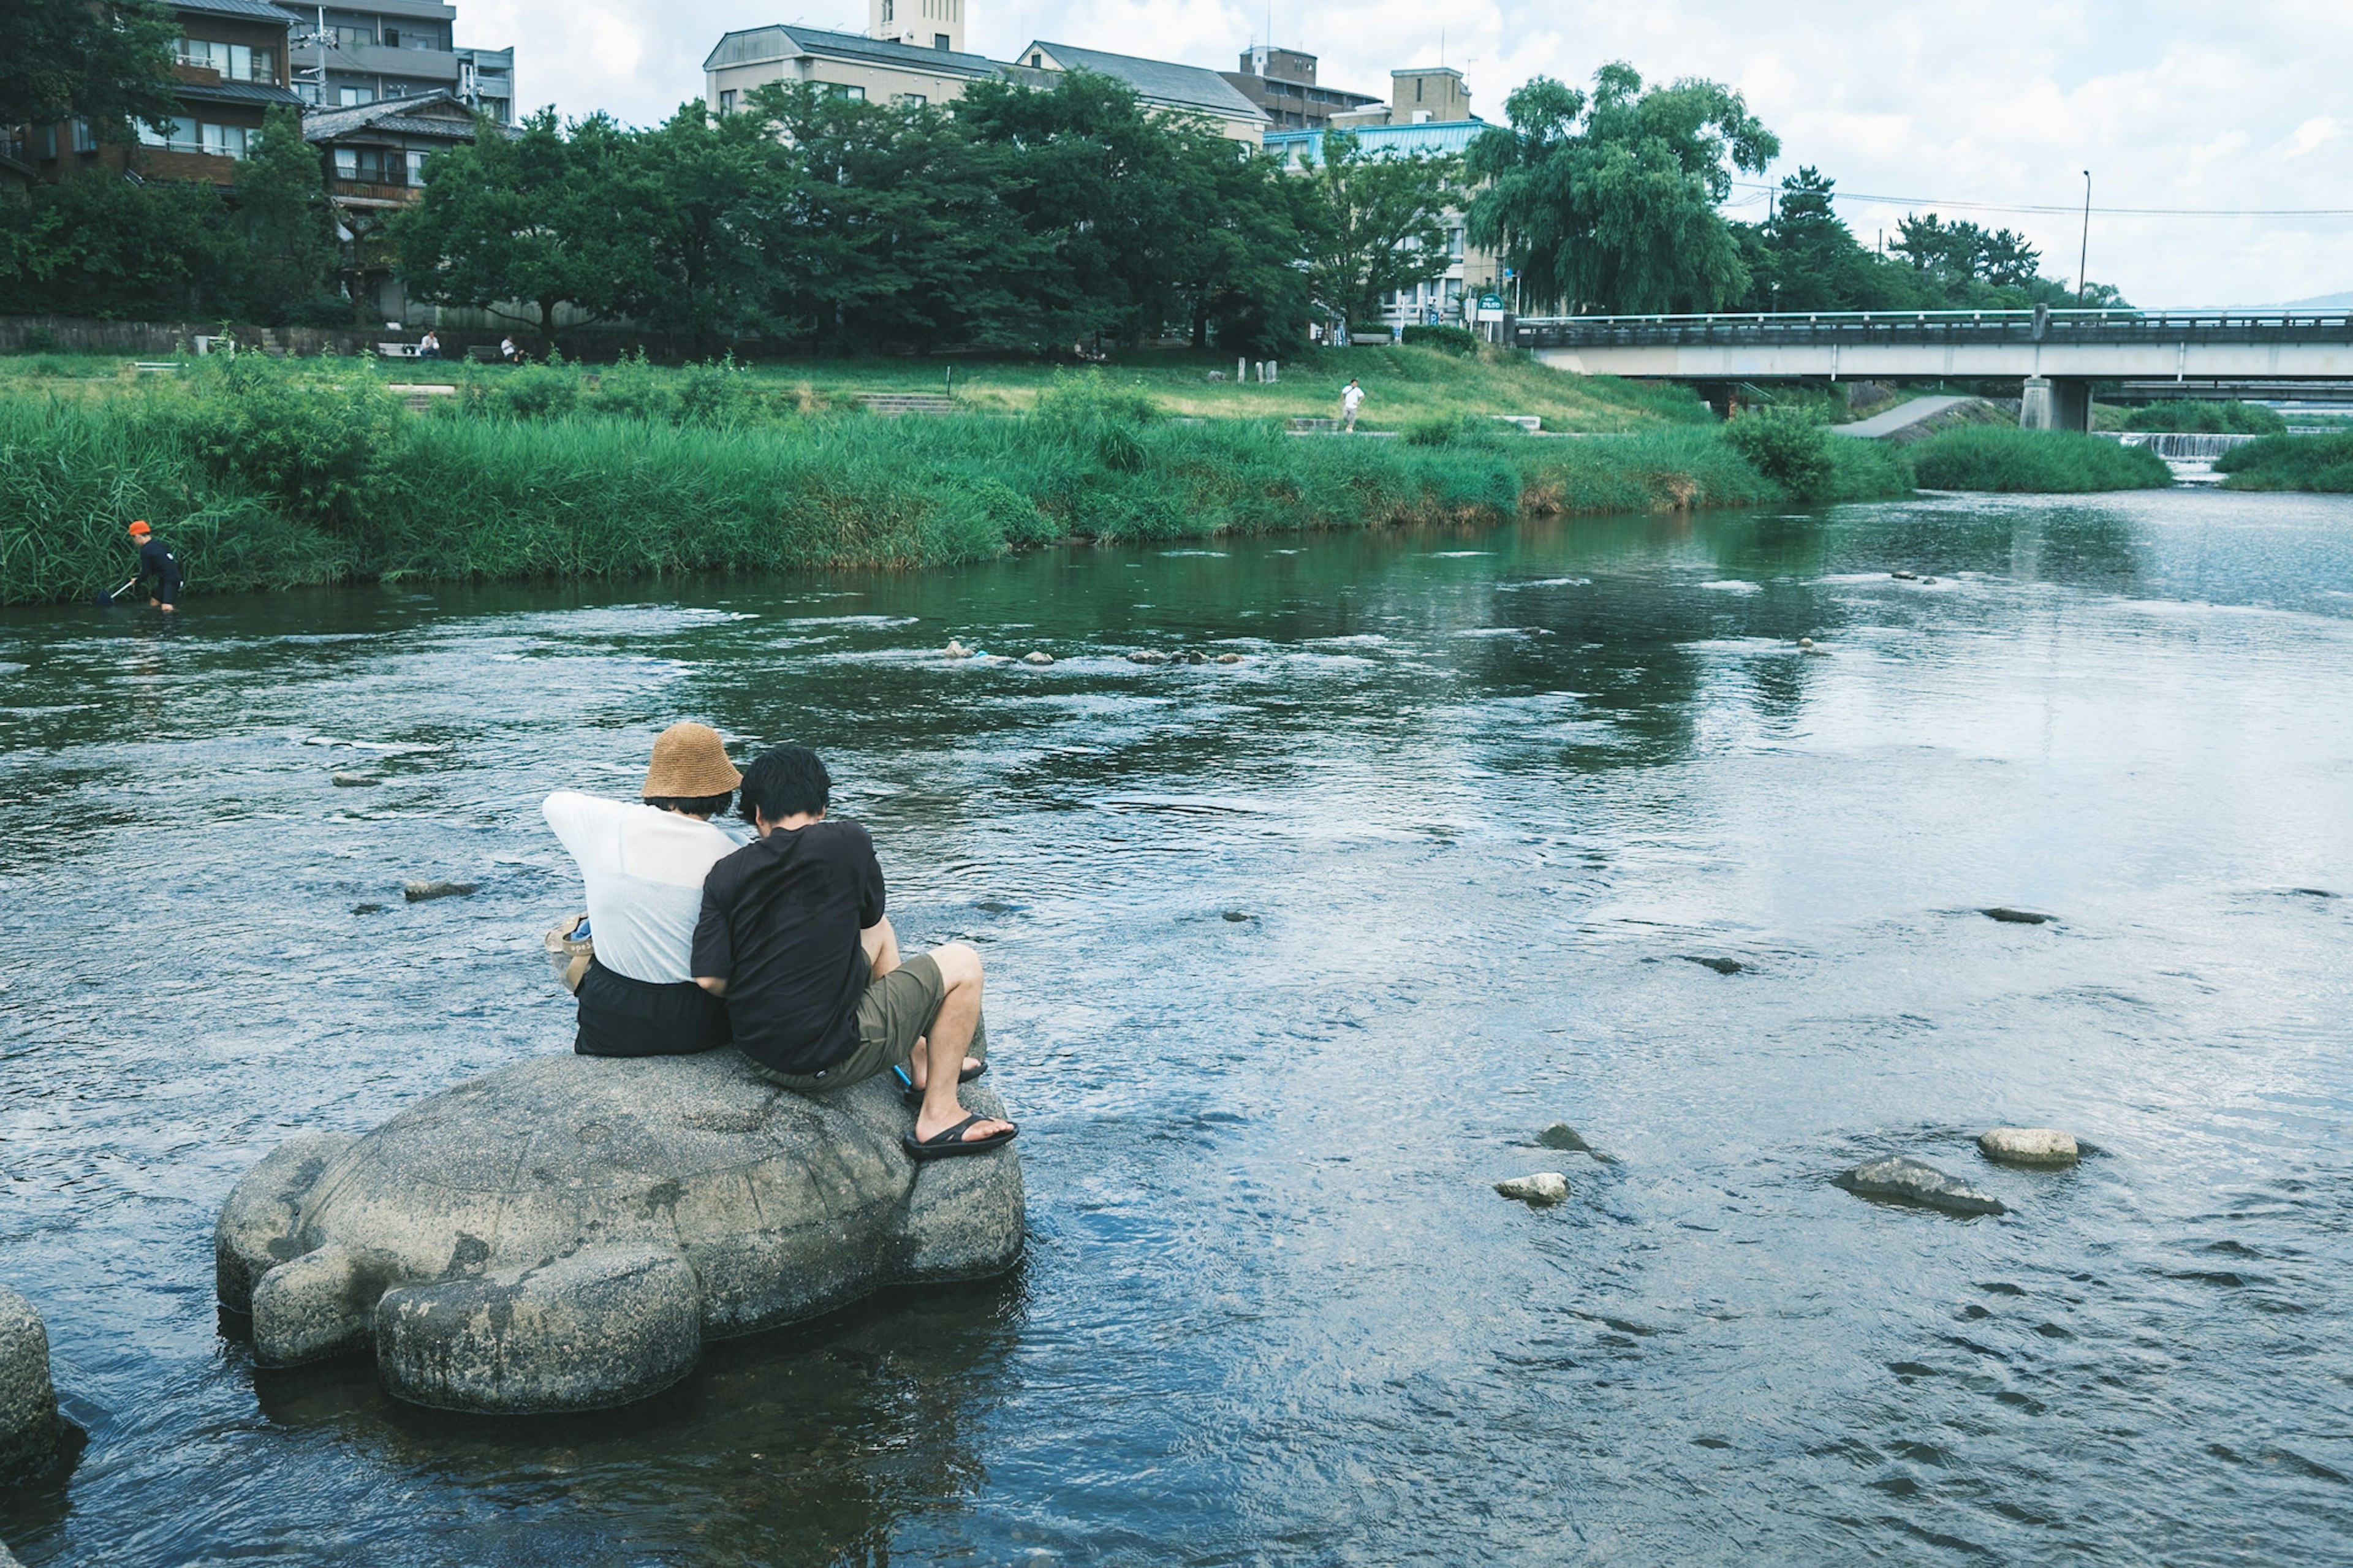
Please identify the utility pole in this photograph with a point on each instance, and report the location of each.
(2084, 255)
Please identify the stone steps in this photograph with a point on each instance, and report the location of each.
(892, 404)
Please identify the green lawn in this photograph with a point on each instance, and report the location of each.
(1403, 386)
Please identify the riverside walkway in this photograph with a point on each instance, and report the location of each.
(2062, 351)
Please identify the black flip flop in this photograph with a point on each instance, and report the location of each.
(913, 1096)
(950, 1141)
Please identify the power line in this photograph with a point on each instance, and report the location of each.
(2071, 210)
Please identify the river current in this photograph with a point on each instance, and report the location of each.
(1290, 959)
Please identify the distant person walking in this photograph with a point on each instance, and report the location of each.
(1350, 400)
(156, 562)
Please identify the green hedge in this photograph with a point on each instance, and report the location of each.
(2290, 463)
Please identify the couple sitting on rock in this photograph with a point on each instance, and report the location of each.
(779, 946)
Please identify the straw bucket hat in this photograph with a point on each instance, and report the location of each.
(690, 764)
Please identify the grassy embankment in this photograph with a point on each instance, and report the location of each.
(2290, 463)
(264, 475)
(1404, 385)
(2033, 462)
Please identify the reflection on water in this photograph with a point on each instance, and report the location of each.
(1293, 957)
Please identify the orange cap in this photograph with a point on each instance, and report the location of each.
(140, 527)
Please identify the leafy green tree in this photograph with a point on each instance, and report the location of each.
(719, 182)
(1383, 223)
(1130, 208)
(891, 227)
(1817, 262)
(105, 61)
(289, 228)
(543, 218)
(96, 245)
(1612, 201)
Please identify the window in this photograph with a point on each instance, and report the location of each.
(1037, 62)
(914, 99)
(347, 163)
(235, 62)
(188, 136)
(49, 141)
(726, 100)
(353, 97)
(416, 161)
(225, 141)
(85, 140)
(343, 35)
(1454, 243)
(886, 13)
(392, 38)
(838, 89)
(1417, 89)
(940, 41)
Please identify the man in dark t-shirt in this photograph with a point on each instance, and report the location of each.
(157, 561)
(793, 935)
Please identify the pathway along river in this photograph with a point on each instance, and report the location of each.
(1290, 959)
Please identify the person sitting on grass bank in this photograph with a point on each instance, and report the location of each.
(794, 936)
(644, 866)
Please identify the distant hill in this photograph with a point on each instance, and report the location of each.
(2323, 302)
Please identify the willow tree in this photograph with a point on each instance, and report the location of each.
(1613, 201)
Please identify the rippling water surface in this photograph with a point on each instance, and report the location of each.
(1290, 961)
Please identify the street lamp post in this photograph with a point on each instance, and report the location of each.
(2083, 257)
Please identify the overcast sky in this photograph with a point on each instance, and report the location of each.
(2001, 102)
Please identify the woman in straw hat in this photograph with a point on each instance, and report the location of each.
(644, 866)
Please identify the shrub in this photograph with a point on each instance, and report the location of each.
(1446, 339)
(1089, 399)
(1433, 432)
(533, 392)
(2034, 462)
(308, 441)
(1788, 448)
(2290, 463)
(2201, 418)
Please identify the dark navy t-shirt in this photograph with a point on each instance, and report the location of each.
(780, 923)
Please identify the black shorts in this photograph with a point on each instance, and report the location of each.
(624, 1017)
(168, 593)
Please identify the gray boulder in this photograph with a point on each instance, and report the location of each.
(1908, 1181)
(565, 1233)
(2029, 1146)
(29, 1427)
(1543, 1189)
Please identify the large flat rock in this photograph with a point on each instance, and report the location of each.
(596, 1220)
(29, 1427)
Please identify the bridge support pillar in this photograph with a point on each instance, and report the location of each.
(2055, 403)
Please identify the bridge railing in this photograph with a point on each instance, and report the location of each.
(1795, 328)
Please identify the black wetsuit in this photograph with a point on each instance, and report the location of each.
(158, 562)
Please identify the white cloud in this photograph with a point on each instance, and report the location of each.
(2002, 102)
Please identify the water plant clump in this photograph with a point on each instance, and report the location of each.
(2034, 462)
(2199, 417)
(2290, 463)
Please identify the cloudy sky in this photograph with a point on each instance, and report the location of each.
(2202, 109)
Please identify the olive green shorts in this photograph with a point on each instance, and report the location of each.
(895, 1012)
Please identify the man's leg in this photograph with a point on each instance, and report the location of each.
(952, 1031)
(881, 946)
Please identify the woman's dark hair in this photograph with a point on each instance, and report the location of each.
(785, 781)
(692, 805)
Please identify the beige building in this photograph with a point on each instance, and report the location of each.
(913, 51)
(1424, 95)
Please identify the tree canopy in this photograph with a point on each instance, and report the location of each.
(105, 61)
(1384, 222)
(1612, 201)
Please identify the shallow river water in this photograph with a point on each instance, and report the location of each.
(1290, 961)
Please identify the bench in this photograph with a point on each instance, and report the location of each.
(396, 351)
(482, 353)
(155, 367)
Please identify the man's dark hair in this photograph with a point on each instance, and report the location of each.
(785, 781)
(692, 805)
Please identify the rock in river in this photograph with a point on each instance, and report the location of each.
(417, 892)
(565, 1234)
(1913, 1181)
(356, 781)
(1038, 657)
(2029, 1146)
(29, 1427)
(1543, 1189)
(2011, 917)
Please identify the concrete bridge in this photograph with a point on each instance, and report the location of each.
(2055, 355)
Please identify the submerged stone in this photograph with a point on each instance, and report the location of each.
(2008, 916)
(1561, 1135)
(955, 650)
(565, 1234)
(2029, 1146)
(1147, 656)
(30, 1430)
(1037, 658)
(1542, 1190)
(417, 892)
(1230, 658)
(356, 781)
(1903, 1180)
(1721, 965)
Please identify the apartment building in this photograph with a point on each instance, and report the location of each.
(913, 51)
(229, 65)
(1281, 83)
(396, 49)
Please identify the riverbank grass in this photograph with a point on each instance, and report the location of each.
(1995, 458)
(2290, 463)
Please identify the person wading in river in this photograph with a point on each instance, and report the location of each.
(644, 866)
(794, 936)
(159, 562)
